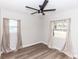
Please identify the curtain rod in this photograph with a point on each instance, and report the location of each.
(62, 20)
(10, 19)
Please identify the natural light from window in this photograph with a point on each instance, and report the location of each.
(12, 26)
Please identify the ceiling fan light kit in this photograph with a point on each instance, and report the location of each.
(41, 8)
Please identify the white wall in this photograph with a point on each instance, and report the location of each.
(31, 26)
(59, 16)
(0, 30)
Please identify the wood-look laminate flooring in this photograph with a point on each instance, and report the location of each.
(38, 51)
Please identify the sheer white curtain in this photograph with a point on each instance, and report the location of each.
(11, 39)
(50, 41)
(15, 34)
(19, 38)
(62, 44)
(68, 43)
(5, 46)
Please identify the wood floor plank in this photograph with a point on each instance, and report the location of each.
(38, 51)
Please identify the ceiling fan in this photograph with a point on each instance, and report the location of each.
(41, 8)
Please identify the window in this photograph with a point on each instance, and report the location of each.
(13, 33)
(59, 33)
(61, 25)
(60, 29)
(12, 26)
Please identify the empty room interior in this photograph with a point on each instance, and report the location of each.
(38, 29)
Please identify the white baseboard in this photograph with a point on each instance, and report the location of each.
(45, 43)
(31, 44)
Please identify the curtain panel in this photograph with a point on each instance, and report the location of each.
(19, 38)
(67, 49)
(5, 46)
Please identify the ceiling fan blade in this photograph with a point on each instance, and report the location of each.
(49, 10)
(44, 4)
(31, 8)
(34, 13)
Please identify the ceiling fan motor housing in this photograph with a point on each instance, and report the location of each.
(39, 11)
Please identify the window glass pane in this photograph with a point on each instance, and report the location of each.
(12, 26)
(13, 29)
(12, 23)
(61, 25)
(60, 34)
(60, 30)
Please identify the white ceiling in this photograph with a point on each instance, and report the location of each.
(19, 5)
